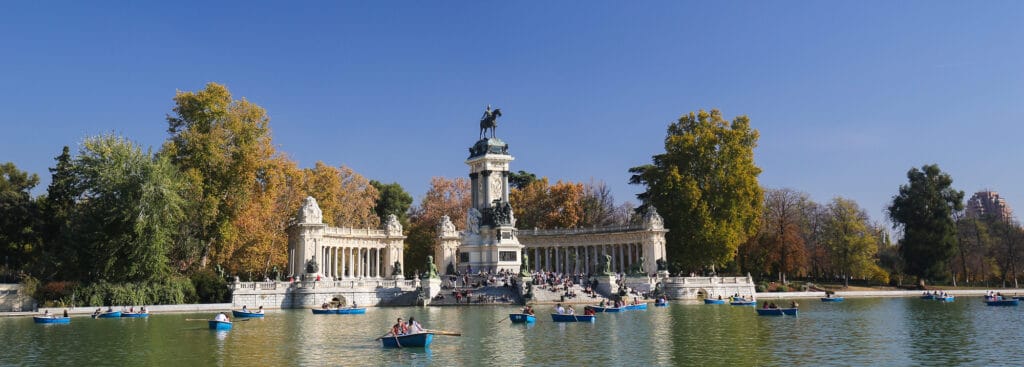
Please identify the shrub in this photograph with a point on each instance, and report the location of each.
(761, 288)
(782, 288)
(209, 288)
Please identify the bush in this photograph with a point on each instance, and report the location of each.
(175, 290)
(209, 288)
(761, 288)
(782, 288)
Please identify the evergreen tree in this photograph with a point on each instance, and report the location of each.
(923, 210)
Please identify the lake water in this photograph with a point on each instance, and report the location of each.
(872, 331)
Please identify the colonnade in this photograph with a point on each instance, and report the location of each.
(339, 262)
(571, 259)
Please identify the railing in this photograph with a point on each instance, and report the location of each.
(354, 283)
(564, 231)
(338, 231)
(708, 280)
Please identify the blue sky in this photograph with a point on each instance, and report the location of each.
(847, 95)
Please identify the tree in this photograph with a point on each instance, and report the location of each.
(540, 205)
(449, 197)
(1009, 245)
(220, 145)
(598, 205)
(519, 180)
(131, 206)
(392, 200)
(346, 198)
(705, 187)
(57, 207)
(974, 244)
(851, 240)
(783, 210)
(923, 210)
(18, 213)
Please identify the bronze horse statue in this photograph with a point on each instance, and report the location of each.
(489, 121)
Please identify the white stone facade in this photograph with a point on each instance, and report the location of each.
(342, 253)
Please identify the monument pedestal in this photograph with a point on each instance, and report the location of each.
(606, 285)
(431, 287)
(662, 274)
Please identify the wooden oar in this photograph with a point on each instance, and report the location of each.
(442, 332)
(499, 321)
(197, 319)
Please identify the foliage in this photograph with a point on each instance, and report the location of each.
(850, 239)
(261, 240)
(57, 207)
(519, 180)
(130, 208)
(346, 198)
(18, 213)
(449, 197)
(392, 200)
(172, 290)
(779, 246)
(209, 287)
(597, 206)
(705, 187)
(540, 205)
(923, 210)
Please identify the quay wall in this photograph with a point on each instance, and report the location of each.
(309, 294)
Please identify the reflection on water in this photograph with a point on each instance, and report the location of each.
(880, 331)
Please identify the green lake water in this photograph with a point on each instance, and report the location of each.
(871, 331)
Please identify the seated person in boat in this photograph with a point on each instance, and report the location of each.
(260, 310)
(65, 312)
(559, 310)
(46, 313)
(588, 311)
(399, 328)
(571, 311)
(143, 309)
(98, 312)
(110, 308)
(245, 308)
(222, 318)
(601, 304)
(794, 304)
(354, 305)
(765, 305)
(414, 326)
(324, 306)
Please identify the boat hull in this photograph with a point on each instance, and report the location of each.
(1004, 302)
(109, 315)
(776, 311)
(245, 314)
(743, 303)
(420, 340)
(572, 318)
(928, 297)
(831, 299)
(636, 307)
(324, 312)
(714, 301)
(661, 304)
(946, 299)
(351, 311)
(607, 309)
(219, 325)
(522, 318)
(51, 320)
(135, 315)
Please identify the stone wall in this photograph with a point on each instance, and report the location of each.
(315, 293)
(710, 287)
(12, 299)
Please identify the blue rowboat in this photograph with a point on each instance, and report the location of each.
(318, 311)
(743, 302)
(351, 311)
(776, 311)
(946, 299)
(137, 315)
(661, 304)
(636, 307)
(1018, 297)
(108, 315)
(831, 299)
(714, 301)
(245, 314)
(520, 318)
(572, 318)
(1003, 302)
(419, 340)
(607, 309)
(928, 296)
(51, 320)
(219, 325)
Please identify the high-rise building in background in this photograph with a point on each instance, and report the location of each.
(988, 203)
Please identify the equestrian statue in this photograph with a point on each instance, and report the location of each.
(489, 121)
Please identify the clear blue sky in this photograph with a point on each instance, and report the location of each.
(847, 95)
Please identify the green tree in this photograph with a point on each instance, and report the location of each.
(519, 180)
(18, 213)
(57, 207)
(392, 199)
(851, 240)
(131, 206)
(923, 210)
(705, 187)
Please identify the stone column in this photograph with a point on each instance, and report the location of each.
(504, 186)
(486, 184)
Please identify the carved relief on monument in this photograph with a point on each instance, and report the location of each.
(497, 187)
(446, 228)
(652, 219)
(392, 227)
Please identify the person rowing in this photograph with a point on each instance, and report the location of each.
(414, 326)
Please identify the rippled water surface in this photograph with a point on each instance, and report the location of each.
(878, 331)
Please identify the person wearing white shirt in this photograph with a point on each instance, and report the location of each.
(559, 309)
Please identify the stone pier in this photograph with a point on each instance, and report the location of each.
(707, 287)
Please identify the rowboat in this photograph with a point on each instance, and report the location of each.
(776, 311)
(928, 296)
(137, 315)
(831, 299)
(1003, 302)
(325, 311)
(660, 304)
(520, 318)
(108, 315)
(220, 325)
(237, 313)
(714, 301)
(638, 306)
(418, 340)
(743, 302)
(946, 299)
(351, 311)
(572, 318)
(1021, 298)
(51, 320)
(608, 309)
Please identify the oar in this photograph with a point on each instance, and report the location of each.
(197, 319)
(442, 332)
(506, 318)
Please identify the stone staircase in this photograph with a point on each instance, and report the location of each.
(478, 294)
(544, 295)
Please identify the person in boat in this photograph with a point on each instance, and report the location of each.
(765, 305)
(772, 305)
(719, 297)
(46, 313)
(414, 326)
(324, 306)
(399, 328)
(110, 308)
(222, 317)
(65, 312)
(97, 312)
(601, 304)
(794, 304)
(245, 308)
(143, 309)
(571, 311)
(260, 310)
(559, 310)
(588, 311)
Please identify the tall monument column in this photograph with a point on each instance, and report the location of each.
(490, 241)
